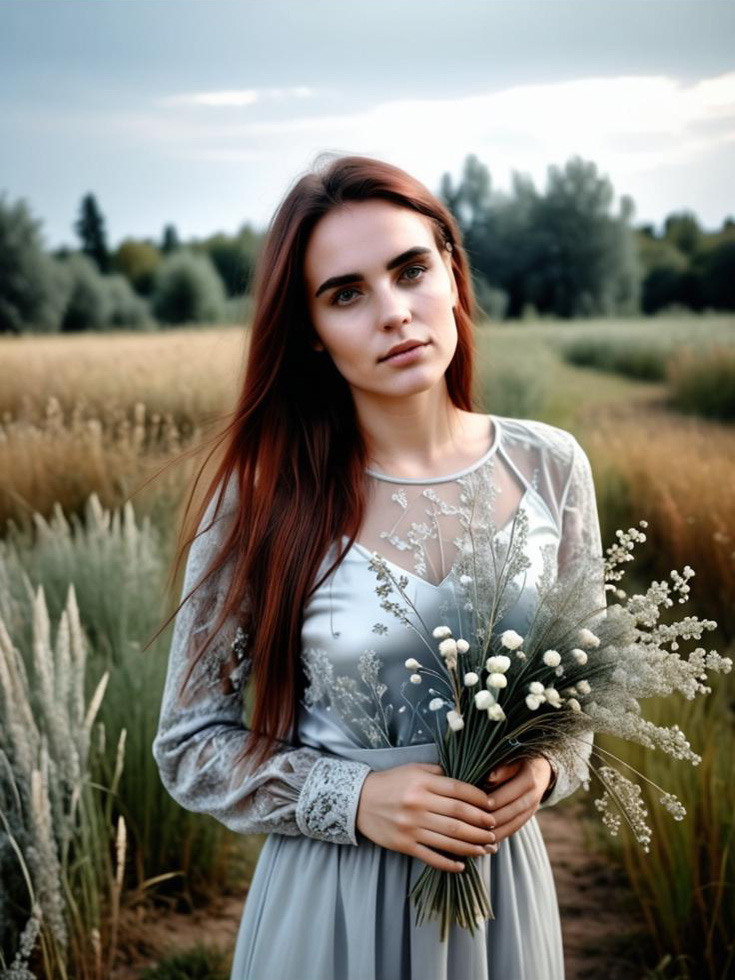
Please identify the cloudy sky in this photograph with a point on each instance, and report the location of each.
(203, 113)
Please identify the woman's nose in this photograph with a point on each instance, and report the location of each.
(393, 311)
(395, 319)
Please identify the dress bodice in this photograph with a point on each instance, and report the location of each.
(439, 537)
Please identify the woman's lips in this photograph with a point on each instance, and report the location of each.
(406, 356)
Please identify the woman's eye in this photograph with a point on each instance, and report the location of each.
(335, 298)
(411, 268)
(420, 268)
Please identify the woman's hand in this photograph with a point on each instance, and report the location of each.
(417, 810)
(516, 789)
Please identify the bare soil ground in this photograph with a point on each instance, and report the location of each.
(596, 913)
(600, 927)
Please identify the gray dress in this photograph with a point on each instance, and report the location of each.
(325, 902)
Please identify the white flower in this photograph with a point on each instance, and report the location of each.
(465, 579)
(587, 638)
(533, 701)
(462, 646)
(536, 687)
(495, 712)
(448, 648)
(441, 631)
(574, 704)
(497, 665)
(583, 687)
(435, 704)
(553, 696)
(412, 663)
(552, 658)
(511, 639)
(455, 720)
(470, 679)
(483, 699)
(415, 678)
(579, 655)
(497, 680)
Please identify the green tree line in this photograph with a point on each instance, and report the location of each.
(561, 252)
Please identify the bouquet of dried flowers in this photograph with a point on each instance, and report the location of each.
(580, 667)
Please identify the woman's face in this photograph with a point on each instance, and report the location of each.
(365, 295)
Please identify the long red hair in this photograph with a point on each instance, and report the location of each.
(293, 447)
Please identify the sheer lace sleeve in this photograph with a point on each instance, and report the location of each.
(580, 536)
(200, 745)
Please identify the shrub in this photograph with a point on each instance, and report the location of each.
(127, 308)
(32, 293)
(201, 962)
(138, 262)
(643, 358)
(188, 289)
(703, 381)
(89, 305)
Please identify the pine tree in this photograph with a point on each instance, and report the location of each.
(170, 241)
(90, 227)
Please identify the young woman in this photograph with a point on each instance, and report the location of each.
(355, 433)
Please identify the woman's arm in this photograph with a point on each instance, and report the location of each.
(201, 746)
(580, 537)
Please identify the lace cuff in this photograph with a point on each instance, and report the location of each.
(327, 804)
(571, 769)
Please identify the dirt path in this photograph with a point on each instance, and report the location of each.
(591, 895)
(150, 937)
(594, 901)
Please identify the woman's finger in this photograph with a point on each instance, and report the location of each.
(500, 773)
(508, 829)
(437, 860)
(458, 829)
(434, 839)
(508, 816)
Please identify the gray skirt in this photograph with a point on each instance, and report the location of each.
(323, 911)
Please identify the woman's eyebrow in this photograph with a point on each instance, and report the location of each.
(349, 277)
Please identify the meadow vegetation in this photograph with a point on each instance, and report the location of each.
(87, 420)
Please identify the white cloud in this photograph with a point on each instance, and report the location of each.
(629, 125)
(229, 98)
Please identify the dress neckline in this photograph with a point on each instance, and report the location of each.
(451, 476)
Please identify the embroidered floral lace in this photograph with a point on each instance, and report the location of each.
(427, 529)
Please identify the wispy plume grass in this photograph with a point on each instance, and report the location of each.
(679, 474)
(686, 886)
(55, 815)
(118, 565)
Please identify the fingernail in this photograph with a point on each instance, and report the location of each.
(490, 802)
(491, 848)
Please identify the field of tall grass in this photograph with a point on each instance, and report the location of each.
(84, 552)
(697, 360)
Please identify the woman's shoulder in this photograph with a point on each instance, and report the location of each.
(557, 445)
